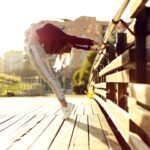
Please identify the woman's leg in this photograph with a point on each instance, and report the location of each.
(39, 60)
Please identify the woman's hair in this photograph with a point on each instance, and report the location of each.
(64, 57)
(66, 49)
(62, 60)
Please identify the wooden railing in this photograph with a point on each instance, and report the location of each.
(120, 76)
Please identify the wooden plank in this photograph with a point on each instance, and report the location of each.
(14, 127)
(140, 46)
(96, 109)
(125, 58)
(98, 59)
(119, 117)
(110, 137)
(13, 114)
(124, 76)
(143, 118)
(48, 135)
(101, 92)
(130, 36)
(79, 110)
(100, 85)
(141, 92)
(148, 21)
(100, 101)
(11, 128)
(114, 113)
(6, 118)
(136, 143)
(18, 117)
(137, 7)
(79, 139)
(88, 109)
(96, 135)
(8, 134)
(31, 136)
(23, 131)
(62, 139)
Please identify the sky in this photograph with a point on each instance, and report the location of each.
(17, 15)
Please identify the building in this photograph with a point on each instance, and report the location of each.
(1, 65)
(13, 60)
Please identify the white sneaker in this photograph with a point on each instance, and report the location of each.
(67, 110)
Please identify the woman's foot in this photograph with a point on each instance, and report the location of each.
(67, 110)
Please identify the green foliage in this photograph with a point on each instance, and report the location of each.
(81, 76)
(11, 89)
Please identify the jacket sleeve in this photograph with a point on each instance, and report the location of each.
(74, 40)
(83, 47)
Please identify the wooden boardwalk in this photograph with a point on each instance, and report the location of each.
(36, 124)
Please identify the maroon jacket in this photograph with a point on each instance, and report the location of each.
(53, 39)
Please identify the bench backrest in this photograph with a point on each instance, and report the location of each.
(120, 76)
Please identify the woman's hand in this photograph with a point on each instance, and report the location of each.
(99, 43)
(95, 48)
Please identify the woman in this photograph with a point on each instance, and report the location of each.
(46, 39)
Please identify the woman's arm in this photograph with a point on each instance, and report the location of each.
(74, 40)
(83, 47)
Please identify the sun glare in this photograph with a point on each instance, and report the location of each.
(16, 16)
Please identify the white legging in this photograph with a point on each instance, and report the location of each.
(39, 60)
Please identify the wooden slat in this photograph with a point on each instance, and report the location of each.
(30, 137)
(44, 129)
(79, 110)
(88, 110)
(18, 117)
(119, 117)
(9, 133)
(121, 120)
(143, 118)
(101, 92)
(100, 85)
(125, 58)
(98, 59)
(141, 92)
(110, 137)
(148, 22)
(130, 37)
(81, 128)
(136, 143)
(136, 7)
(125, 76)
(23, 131)
(62, 139)
(96, 135)
(48, 135)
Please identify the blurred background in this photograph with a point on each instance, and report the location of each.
(84, 18)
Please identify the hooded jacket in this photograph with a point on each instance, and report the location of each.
(53, 39)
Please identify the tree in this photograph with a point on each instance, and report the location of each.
(81, 76)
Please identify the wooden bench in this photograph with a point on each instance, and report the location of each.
(120, 78)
